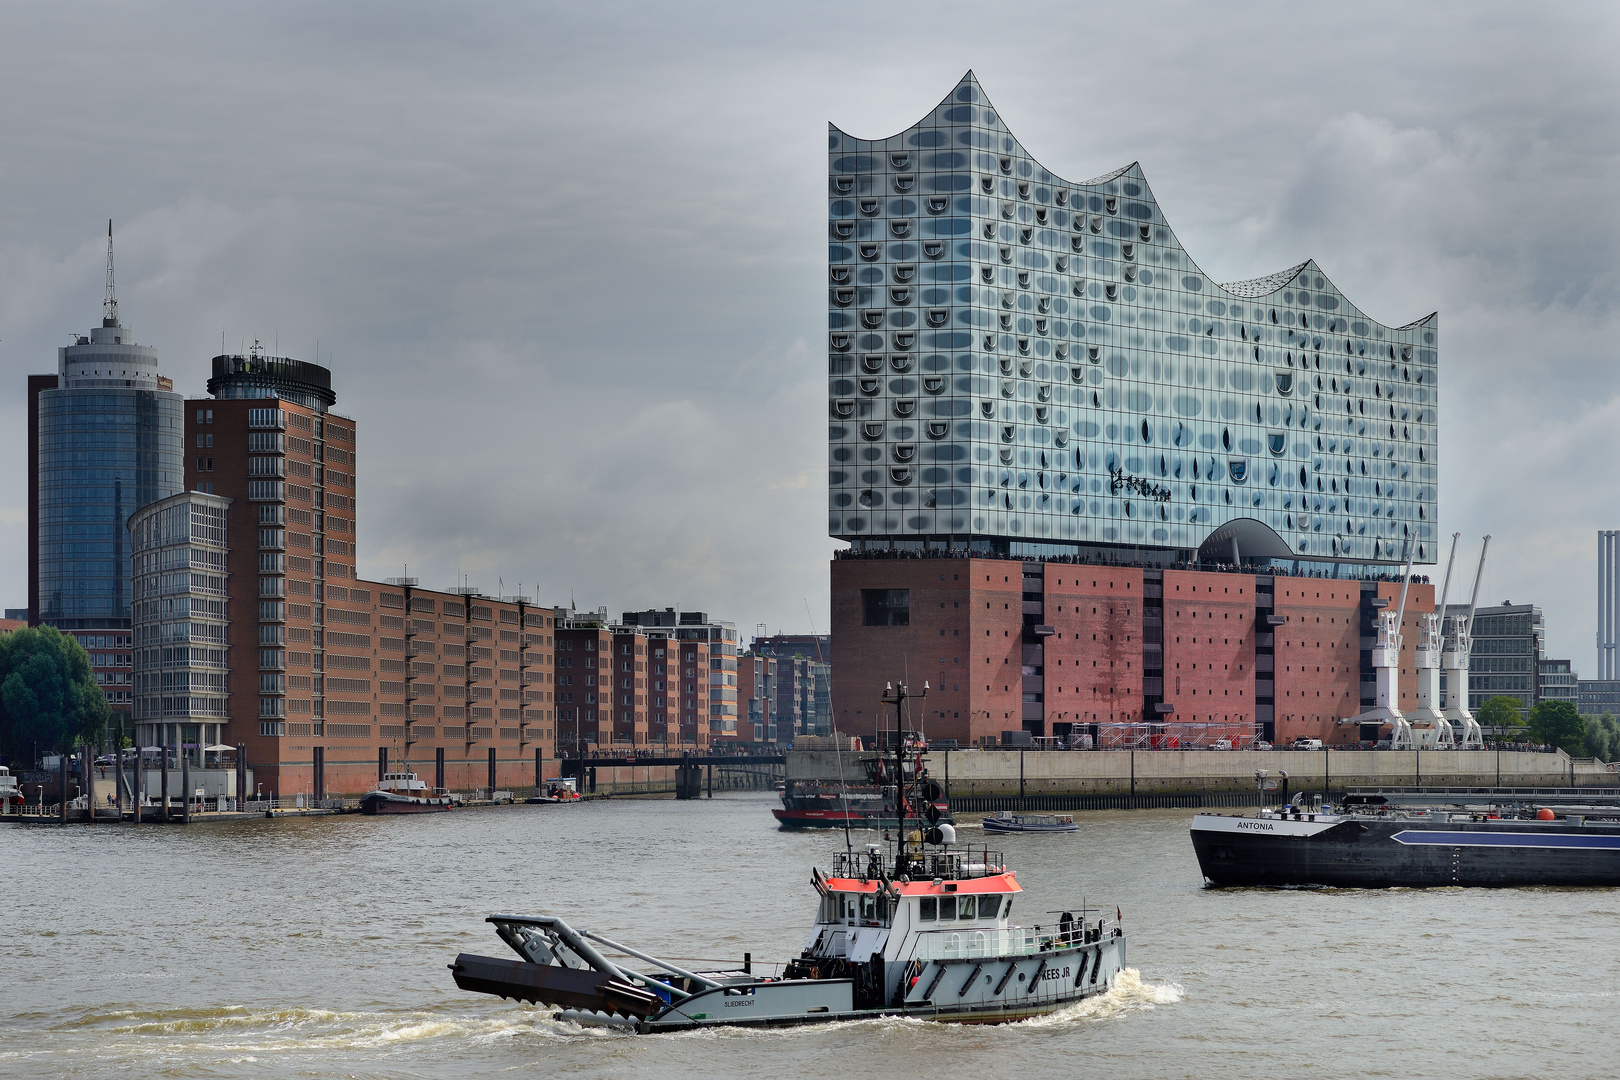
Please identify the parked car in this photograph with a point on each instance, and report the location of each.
(1221, 744)
(1261, 744)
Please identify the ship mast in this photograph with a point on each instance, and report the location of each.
(897, 696)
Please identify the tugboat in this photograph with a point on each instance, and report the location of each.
(812, 804)
(1373, 840)
(923, 930)
(403, 793)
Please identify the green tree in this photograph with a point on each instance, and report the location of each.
(1501, 714)
(49, 698)
(1602, 737)
(1556, 723)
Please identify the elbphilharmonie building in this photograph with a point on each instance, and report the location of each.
(1026, 364)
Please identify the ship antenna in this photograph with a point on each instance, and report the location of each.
(838, 749)
(109, 305)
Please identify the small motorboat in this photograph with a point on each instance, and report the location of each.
(557, 791)
(403, 793)
(1006, 822)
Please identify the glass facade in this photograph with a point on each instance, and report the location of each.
(1021, 362)
(1505, 657)
(178, 559)
(111, 439)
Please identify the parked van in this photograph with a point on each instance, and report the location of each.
(1308, 744)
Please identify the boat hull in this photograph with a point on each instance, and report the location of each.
(790, 818)
(991, 826)
(965, 990)
(1378, 853)
(383, 802)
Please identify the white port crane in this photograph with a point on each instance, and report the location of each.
(1430, 728)
(1454, 658)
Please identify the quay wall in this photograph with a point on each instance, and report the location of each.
(1001, 773)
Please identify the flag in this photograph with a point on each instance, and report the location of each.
(1118, 915)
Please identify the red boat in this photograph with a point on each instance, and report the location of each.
(812, 804)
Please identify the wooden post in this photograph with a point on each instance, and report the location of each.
(118, 778)
(87, 769)
(185, 783)
(61, 769)
(139, 792)
(164, 748)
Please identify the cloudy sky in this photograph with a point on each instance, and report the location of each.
(567, 261)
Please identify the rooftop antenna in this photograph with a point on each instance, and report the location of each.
(109, 306)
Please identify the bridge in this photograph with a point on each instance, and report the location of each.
(689, 768)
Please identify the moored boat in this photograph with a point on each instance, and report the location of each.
(403, 793)
(1007, 822)
(557, 791)
(1414, 841)
(923, 930)
(816, 804)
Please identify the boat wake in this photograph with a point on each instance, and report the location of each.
(240, 1030)
(1126, 993)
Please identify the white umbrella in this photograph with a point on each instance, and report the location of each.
(218, 746)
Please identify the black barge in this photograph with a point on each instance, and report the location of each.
(1378, 841)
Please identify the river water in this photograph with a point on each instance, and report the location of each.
(318, 947)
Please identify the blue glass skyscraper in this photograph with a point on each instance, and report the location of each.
(108, 437)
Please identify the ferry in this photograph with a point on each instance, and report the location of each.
(1007, 822)
(403, 793)
(924, 929)
(1374, 840)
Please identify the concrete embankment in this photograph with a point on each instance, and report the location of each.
(1108, 777)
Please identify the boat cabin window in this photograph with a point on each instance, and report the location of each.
(947, 909)
(928, 909)
(866, 908)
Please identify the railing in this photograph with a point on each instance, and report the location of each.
(950, 863)
(1000, 941)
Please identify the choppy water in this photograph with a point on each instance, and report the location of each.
(318, 947)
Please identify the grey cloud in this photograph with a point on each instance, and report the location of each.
(567, 262)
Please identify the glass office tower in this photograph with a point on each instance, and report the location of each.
(108, 438)
(1026, 364)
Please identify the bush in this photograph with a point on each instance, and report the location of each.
(1603, 737)
(1556, 723)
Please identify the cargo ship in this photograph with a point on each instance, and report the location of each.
(1373, 840)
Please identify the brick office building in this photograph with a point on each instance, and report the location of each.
(330, 679)
(1126, 655)
(756, 699)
